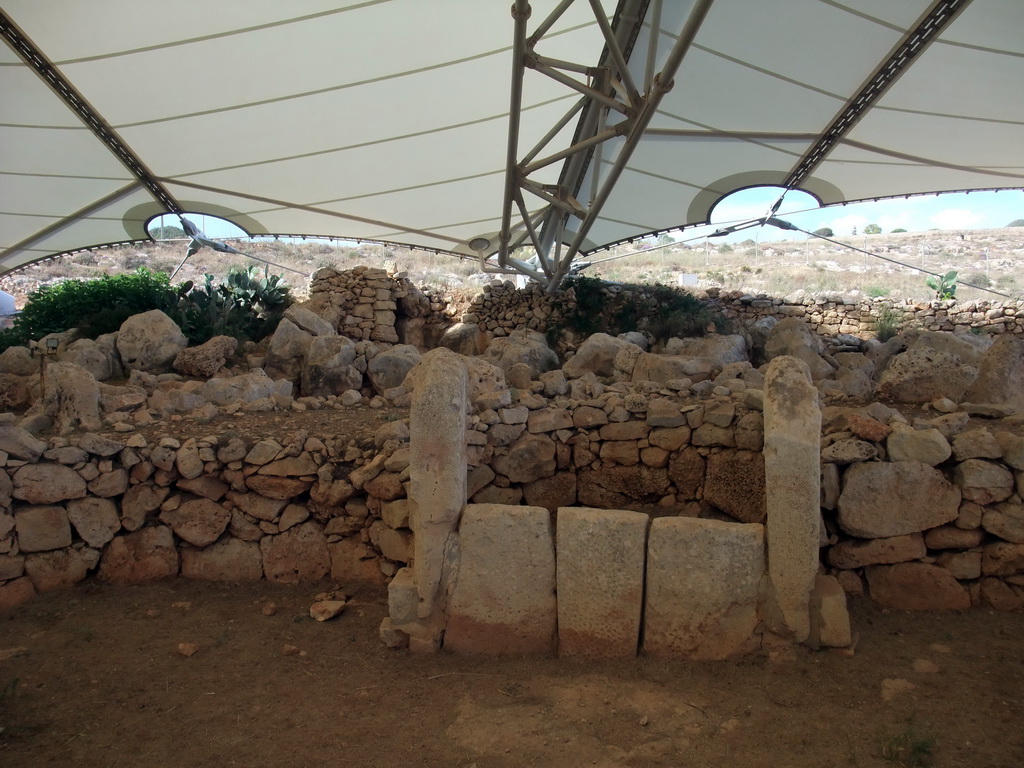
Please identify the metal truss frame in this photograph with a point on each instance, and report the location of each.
(611, 106)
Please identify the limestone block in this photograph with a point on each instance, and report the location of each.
(437, 464)
(916, 587)
(553, 492)
(1005, 521)
(509, 609)
(928, 446)
(61, 568)
(529, 458)
(856, 553)
(983, 481)
(600, 578)
(830, 620)
(139, 502)
(47, 483)
(95, 520)
(14, 593)
(702, 587)
(883, 499)
(353, 561)
(228, 560)
(1002, 559)
(145, 555)
(403, 600)
(42, 528)
(299, 554)
(199, 522)
(792, 429)
(735, 483)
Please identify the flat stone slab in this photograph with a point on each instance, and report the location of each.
(702, 587)
(601, 556)
(503, 600)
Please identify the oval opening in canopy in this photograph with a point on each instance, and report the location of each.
(168, 227)
(756, 202)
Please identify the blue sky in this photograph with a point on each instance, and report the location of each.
(974, 210)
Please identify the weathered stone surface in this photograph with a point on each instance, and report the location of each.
(522, 346)
(976, 444)
(15, 593)
(437, 463)
(352, 561)
(600, 581)
(792, 429)
(297, 555)
(735, 483)
(327, 367)
(200, 522)
(884, 499)
(95, 520)
(549, 420)
(286, 351)
(60, 569)
(856, 553)
(244, 388)
(465, 339)
(916, 587)
(145, 555)
(631, 487)
(109, 484)
(792, 337)
(11, 566)
(553, 492)
(1005, 521)
(665, 368)
(42, 528)
(47, 483)
(389, 368)
(1002, 596)
(149, 342)
(702, 587)
(1000, 373)
(207, 486)
(849, 451)
(1002, 559)
(228, 560)
(72, 399)
(529, 458)
(830, 620)
(20, 444)
(951, 537)
(963, 565)
(686, 471)
(139, 502)
(396, 544)
(507, 610)
(927, 446)
(595, 355)
(206, 359)
(282, 488)
(983, 481)
(309, 321)
(720, 349)
(936, 365)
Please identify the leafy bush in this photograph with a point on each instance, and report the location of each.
(877, 291)
(872, 229)
(1016, 223)
(824, 232)
(897, 230)
(945, 286)
(94, 307)
(244, 305)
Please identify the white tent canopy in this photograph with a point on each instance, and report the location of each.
(458, 126)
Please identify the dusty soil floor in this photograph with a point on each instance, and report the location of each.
(94, 677)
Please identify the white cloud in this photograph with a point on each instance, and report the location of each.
(955, 218)
(845, 224)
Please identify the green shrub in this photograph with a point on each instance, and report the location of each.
(897, 230)
(244, 305)
(945, 286)
(94, 307)
(877, 291)
(889, 324)
(824, 232)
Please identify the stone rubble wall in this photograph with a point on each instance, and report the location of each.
(926, 515)
(367, 303)
(502, 308)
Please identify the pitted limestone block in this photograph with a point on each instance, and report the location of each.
(702, 587)
(600, 581)
(503, 600)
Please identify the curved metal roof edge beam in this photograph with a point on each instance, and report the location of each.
(45, 69)
(928, 28)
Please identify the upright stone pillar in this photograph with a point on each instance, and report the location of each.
(437, 494)
(792, 449)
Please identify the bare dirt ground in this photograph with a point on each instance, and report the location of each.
(94, 677)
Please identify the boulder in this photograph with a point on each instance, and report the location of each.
(793, 337)
(60, 569)
(465, 338)
(18, 361)
(87, 354)
(529, 458)
(309, 321)
(20, 444)
(199, 522)
(228, 560)
(286, 351)
(735, 483)
(983, 481)
(149, 342)
(244, 388)
(95, 520)
(47, 483)
(42, 528)
(206, 359)
(916, 587)
(935, 365)
(72, 399)
(522, 346)
(142, 556)
(664, 368)
(595, 355)
(15, 392)
(327, 367)
(720, 349)
(922, 445)
(1000, 373)
(298, 555)
(884, 499)
(389, 368)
